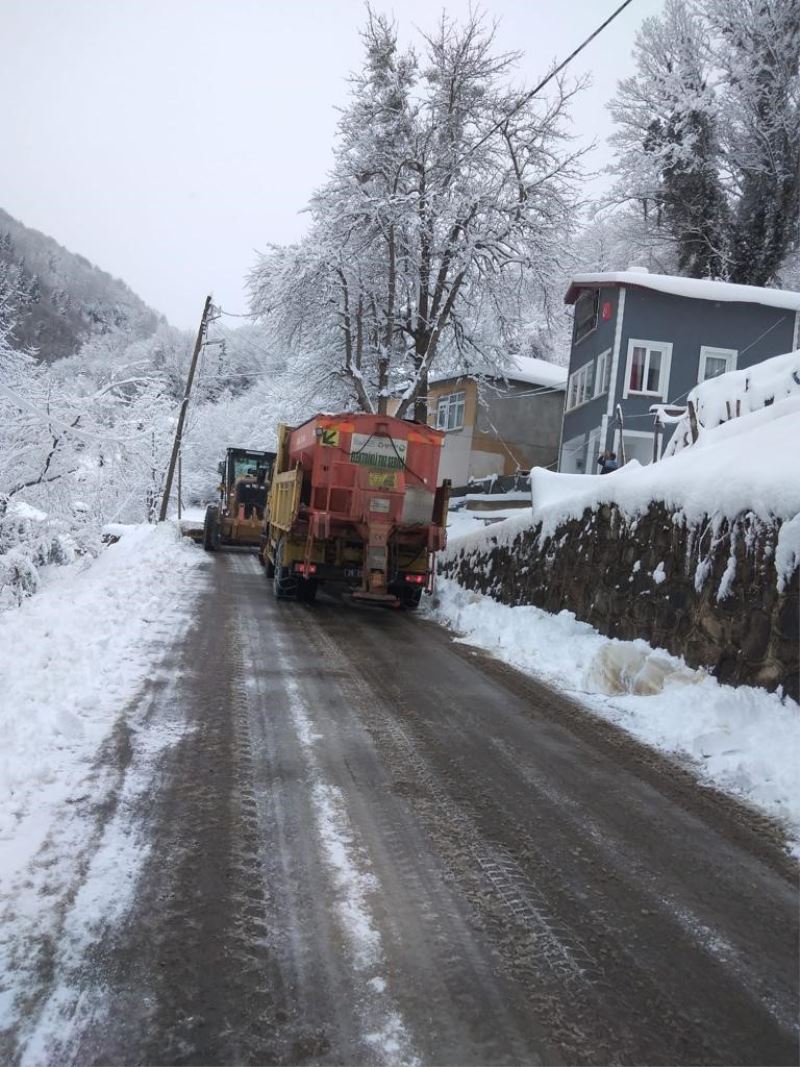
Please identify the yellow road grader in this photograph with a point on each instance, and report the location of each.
(238, 517)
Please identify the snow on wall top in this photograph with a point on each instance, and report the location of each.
(527, 369)
(693, 288)
(747, 464)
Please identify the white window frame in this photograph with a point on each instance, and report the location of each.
(602, 374)
(729, 354)
(581, 378)
(593, 449)
(595, 298)
(572, 454)
(446, 403)
(618, 434)
(665, 348)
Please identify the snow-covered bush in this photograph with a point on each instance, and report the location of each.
(29, 541)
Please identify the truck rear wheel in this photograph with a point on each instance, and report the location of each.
(410, 597)
(306, 590)
(211, 529)
(284, 583)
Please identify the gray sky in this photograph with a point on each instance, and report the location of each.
(166, 140)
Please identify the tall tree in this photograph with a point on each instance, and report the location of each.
(758, 49)
(708, 136)
(451, 193)
(668, 145)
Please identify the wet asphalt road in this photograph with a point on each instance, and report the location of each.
(375, 846)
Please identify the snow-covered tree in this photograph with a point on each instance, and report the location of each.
(450, 202)
(668, 144)
(708, 139)
(758, 50)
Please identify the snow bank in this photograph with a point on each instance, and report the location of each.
(744, 741)
(70, 660)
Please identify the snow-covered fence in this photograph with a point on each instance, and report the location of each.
(737, 393)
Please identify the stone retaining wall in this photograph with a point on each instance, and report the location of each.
(708, 592)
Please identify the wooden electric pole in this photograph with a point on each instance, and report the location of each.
(176, 444)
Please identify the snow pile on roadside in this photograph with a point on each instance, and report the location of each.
(71, 658)
(742, 740)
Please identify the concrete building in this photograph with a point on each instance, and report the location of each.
(498, 425)
(641, 339)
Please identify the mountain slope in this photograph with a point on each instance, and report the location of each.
(58, 298)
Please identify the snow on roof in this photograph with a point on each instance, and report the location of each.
(692, 288)
(527, 369)
(537, 372)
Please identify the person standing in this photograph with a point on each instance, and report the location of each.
(607, 462)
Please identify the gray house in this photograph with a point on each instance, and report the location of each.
(641, 339)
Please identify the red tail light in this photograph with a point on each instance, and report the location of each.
(305, 568)
(417, 579)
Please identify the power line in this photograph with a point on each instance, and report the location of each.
(529, 96)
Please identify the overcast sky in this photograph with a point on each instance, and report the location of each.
(166, 140)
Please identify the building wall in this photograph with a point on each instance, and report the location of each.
(582, 425)
(513, 426)
(525, 419)
(455, 461)
(754, 331)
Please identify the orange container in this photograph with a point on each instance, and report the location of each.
(368, 470)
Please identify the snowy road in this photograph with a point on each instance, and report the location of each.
(373, 845)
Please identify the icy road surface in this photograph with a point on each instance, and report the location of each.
(367, 844)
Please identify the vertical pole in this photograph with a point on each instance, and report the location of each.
(621, 423)
(176, 444)
(180, 481)
(656, 438)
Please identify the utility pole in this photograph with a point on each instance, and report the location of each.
(176, 444)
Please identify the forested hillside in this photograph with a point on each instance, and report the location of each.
(58, 298)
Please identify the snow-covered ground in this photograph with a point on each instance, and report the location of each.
(72, 660)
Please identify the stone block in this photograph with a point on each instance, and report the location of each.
(756, 636)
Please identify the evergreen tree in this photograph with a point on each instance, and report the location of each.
(668, 143)
(758, 48)
(708, 137)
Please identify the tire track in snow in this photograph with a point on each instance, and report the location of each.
(386, 1034)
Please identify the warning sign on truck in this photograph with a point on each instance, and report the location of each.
(383, 453)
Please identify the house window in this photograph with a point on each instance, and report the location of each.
(450, 412)
(603, 373)
(647, 370)
(579, 389)
(586, 313)
(638, 445)
(716, 361)
(573, 456)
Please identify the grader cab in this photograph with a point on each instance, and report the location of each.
(238, 517)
